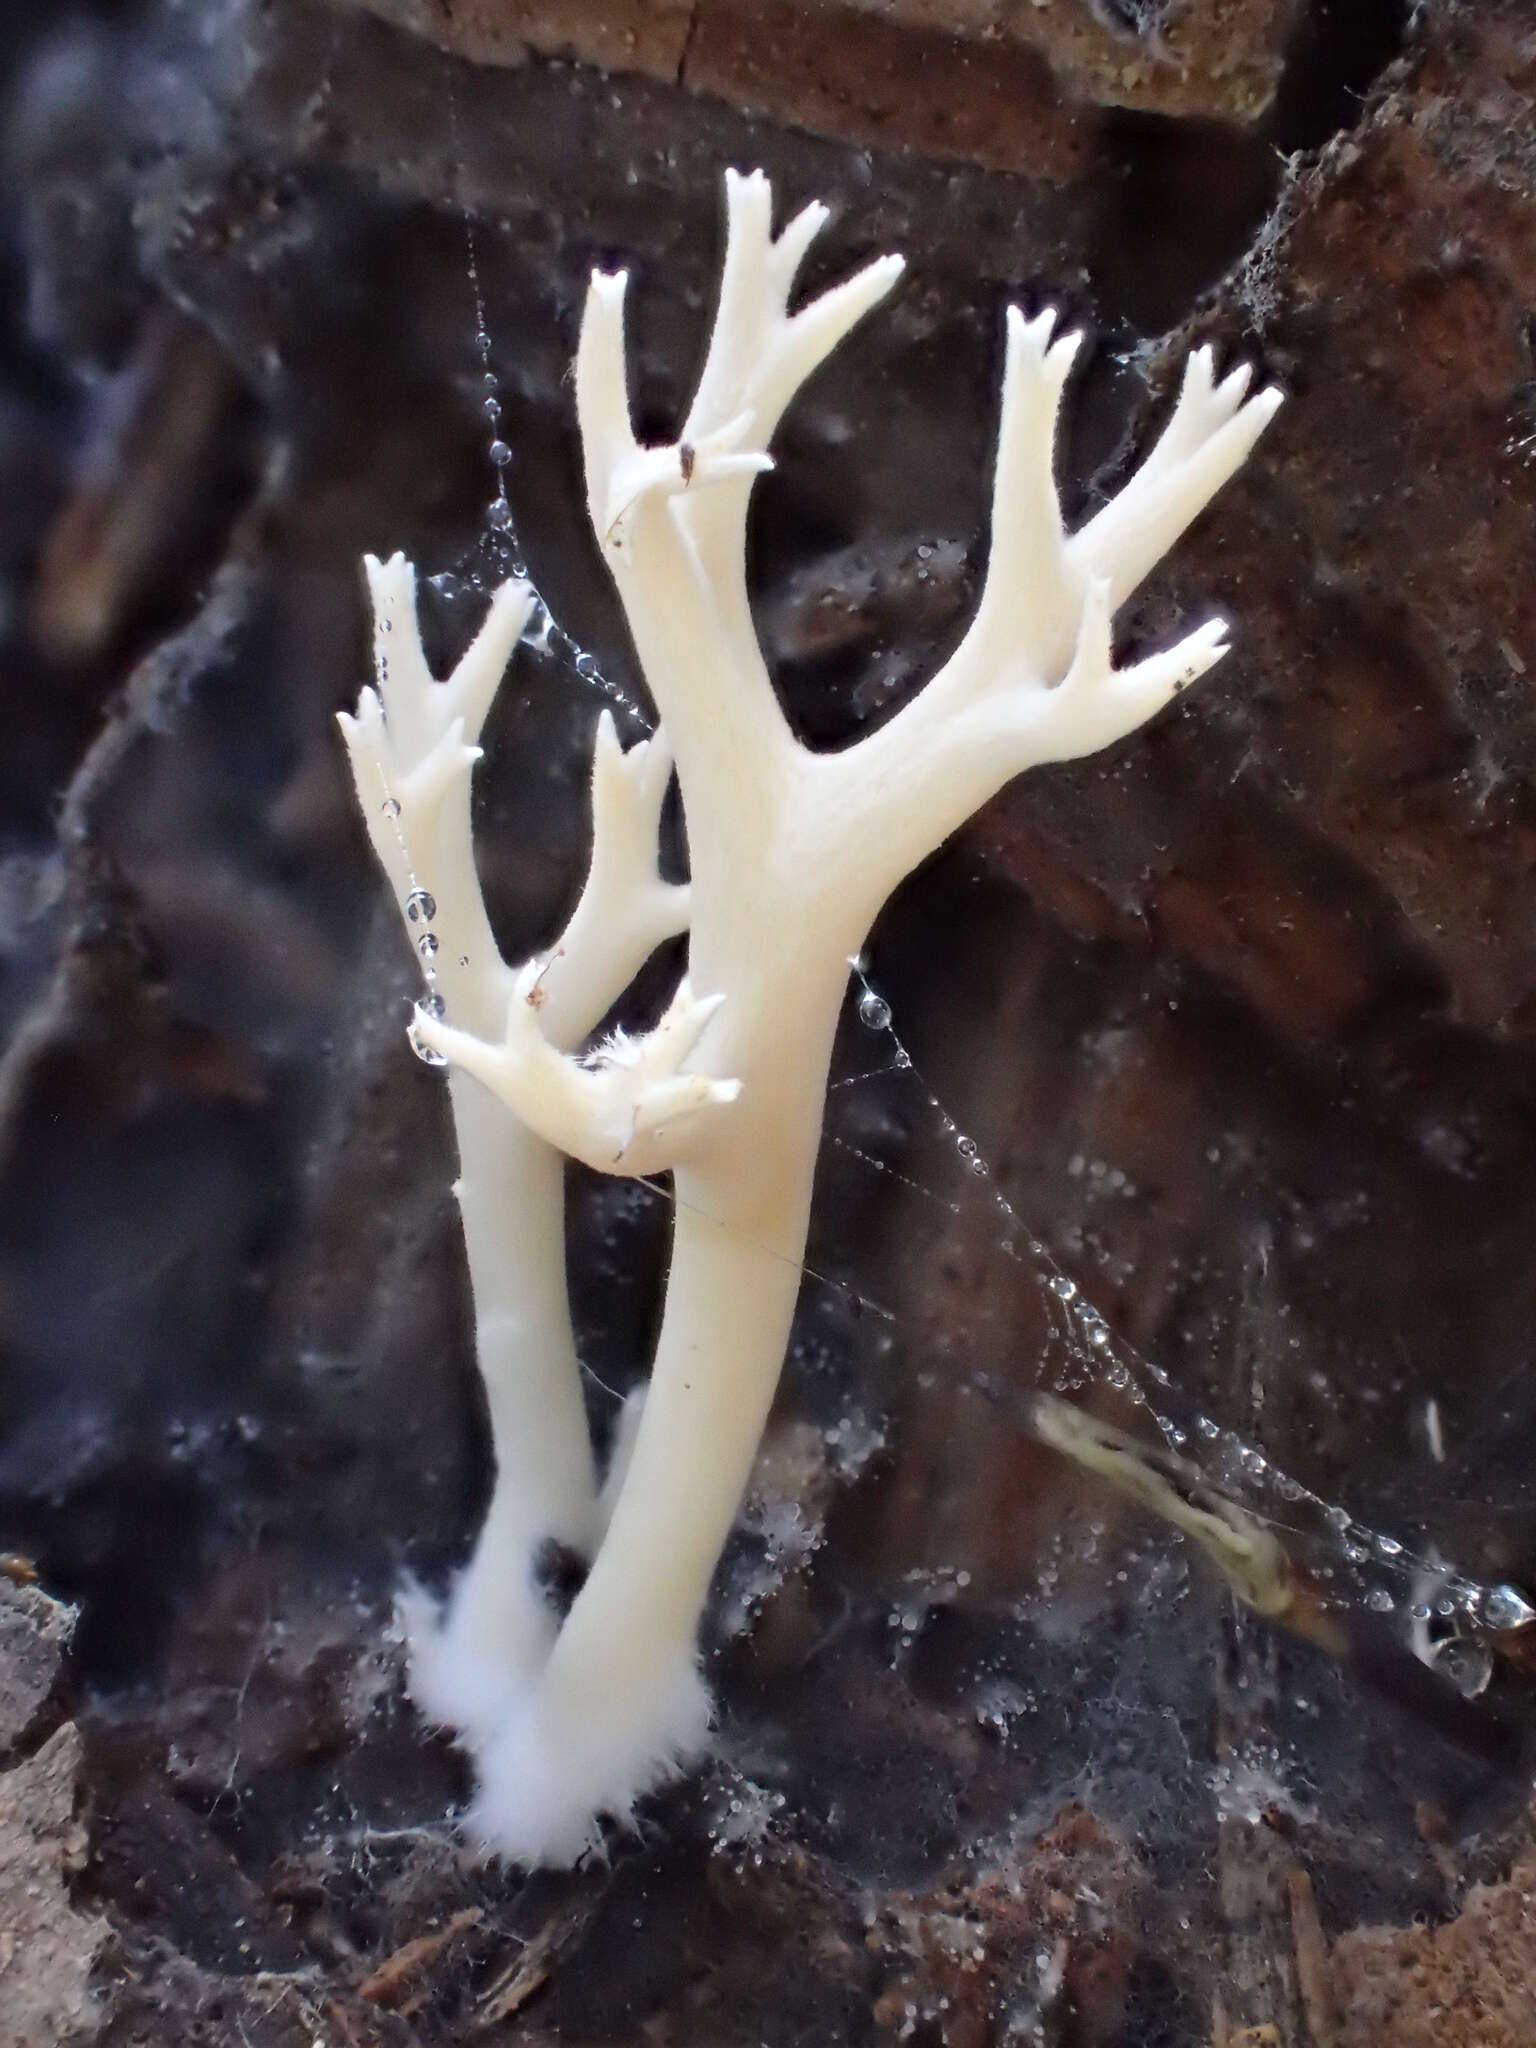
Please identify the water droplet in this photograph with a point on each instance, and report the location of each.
(1062, 1287)
(426, 945)
(979, 1167)
(446, 584)
(1098, 1336)
(424, 1052)
(492, 409)
(586, 665)
(874, 1011)
(1379, 1600)
(968, 1147)
(1469, 1666)
(421, 906)
(1388, 1546)
(431, 1005)
(903, 1057)
(390, 807)
(1507, 1607)
(499, 513)
(500, 454)
(489, 379)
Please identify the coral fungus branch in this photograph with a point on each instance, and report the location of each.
(412, 748)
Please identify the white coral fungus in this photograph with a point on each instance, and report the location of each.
(792, 854)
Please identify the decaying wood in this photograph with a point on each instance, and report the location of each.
(389, 1984)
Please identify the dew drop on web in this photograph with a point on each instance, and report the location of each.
(1505, 1608)
(874, 1011)
(428, 1056)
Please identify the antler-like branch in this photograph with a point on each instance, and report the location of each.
(1034, 678)
(671, 521)
(411, 745)
(1206, 442)
(627, 1108)
(759, 352)
(625, 910)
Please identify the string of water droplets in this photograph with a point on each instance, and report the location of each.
(1427, 1591)
(498, 543)
(504, 558)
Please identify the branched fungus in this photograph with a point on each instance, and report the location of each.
(791, 854)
